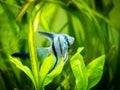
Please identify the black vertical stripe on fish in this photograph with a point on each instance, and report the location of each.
(55, 53)
(68, 44)
(54, 50)
(60, 45)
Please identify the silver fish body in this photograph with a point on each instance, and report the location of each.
(59, 45)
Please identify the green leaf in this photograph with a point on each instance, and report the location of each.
(23, 68)
(82, 6)
(55, 72)
(24, 9)
(45, 76)
(95, 71)
(45, 68)
(79, 71)
(33, 56)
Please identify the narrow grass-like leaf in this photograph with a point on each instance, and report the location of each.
(24, 9)
(79, 71)
(36, 21)
(33, 56)
(95, 71)
(23, 68)
(36, 13)
(84, 8)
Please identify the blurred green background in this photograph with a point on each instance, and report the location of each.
(94, 24)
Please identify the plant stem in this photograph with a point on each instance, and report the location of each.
(33, 56)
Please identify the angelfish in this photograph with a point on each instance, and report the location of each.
(59, 46)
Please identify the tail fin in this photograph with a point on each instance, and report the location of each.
(21, 54)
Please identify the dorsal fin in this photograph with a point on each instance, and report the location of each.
(48, 35)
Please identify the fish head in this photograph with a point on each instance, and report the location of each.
(66, 40)
(70, 39)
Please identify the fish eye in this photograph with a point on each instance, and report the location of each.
(66, 38)
(67, 41)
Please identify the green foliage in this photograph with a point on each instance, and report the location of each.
(83, 80)
(79, 70)
(95, 71)
(33, 56)
(43, 75)
(93, 23)
(22, 67)
(86, 77)
(48, 77)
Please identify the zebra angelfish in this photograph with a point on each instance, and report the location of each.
(59, 45)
